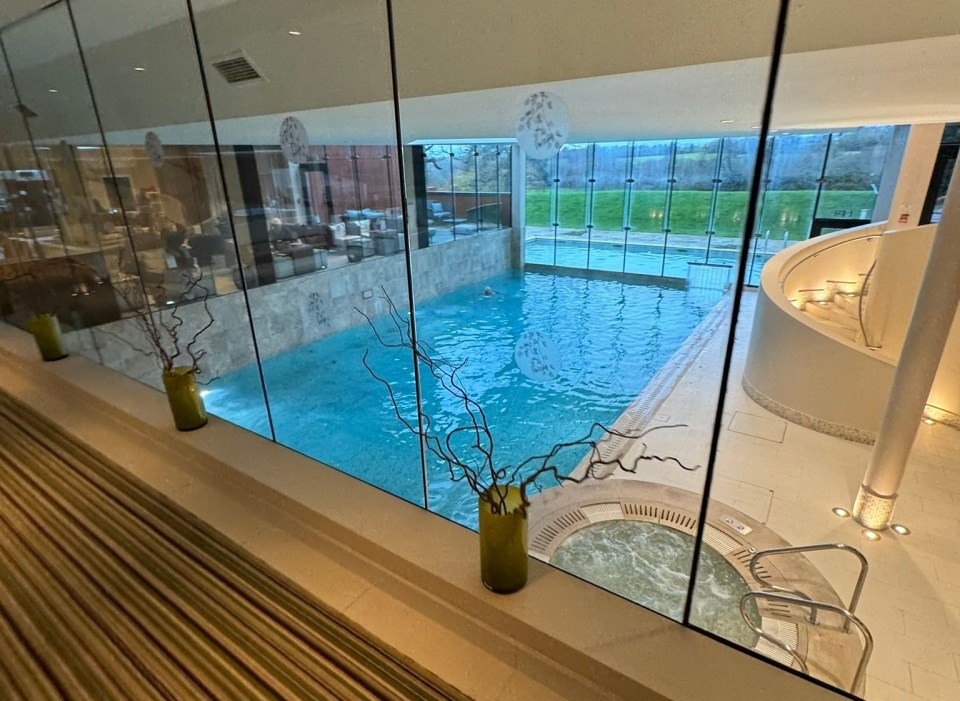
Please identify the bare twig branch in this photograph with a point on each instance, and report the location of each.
(163, 326)
(478, 467)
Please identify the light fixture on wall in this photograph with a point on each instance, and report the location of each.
(52, 90)
(294, 32)
(139, 69)
(726, 121)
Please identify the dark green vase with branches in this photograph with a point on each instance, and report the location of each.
(503, 491)
(173, 344)
(503, 540)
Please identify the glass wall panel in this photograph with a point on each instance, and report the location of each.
(611, 168)
(650, 197)
(65, 230)
(321, 218)
(844, 578)
(540, 196)
(736, 175)
(796, 165)
(695, 169)
(545, 361)
(160, 210)
(851, 179)
(572, 197)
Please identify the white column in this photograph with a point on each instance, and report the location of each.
(913, 180)
(932, 318)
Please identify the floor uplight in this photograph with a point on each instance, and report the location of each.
(871, 535)
(900, 529)
(841, 512)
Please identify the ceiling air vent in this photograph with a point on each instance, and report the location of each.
(237, 69)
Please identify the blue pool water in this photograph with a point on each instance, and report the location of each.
(636, 258)
(612, 338)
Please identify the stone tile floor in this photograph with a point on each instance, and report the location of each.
(791, 478)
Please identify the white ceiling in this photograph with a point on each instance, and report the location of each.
(910, 81)
(900, 83)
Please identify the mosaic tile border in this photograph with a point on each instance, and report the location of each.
(848, 433)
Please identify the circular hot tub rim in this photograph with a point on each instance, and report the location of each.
(558, 513)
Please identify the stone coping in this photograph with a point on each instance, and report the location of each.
(407, 576)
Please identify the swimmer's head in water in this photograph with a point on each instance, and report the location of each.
(488, 292)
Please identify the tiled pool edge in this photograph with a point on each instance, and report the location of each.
(632, 651)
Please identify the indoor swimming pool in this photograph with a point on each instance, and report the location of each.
(602, 340)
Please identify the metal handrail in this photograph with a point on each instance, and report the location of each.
(814, 606)
(863, 291)
(784, 274)
(861, 579)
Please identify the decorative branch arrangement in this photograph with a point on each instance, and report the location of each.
(169, 343)
(468, 451)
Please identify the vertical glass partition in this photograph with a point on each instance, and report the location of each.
(544, 355)
(62, 239)
(650, 183)
(856, 602)
(303, 110)
(168, 241)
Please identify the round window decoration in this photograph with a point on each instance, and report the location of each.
(294, 142)
(544, 125)
(537, 356)
(154, 147)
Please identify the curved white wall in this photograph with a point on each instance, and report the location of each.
(802, 371)
(797, 368)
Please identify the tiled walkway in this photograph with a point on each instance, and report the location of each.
(790, 478)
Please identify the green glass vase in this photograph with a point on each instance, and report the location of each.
(186, 404)
(46, 331)
(503, 542)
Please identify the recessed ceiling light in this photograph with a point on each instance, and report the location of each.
(841, 512)
(53, 90)
(871, 535)
(139, 69)
(294, 32)
(726, 121)
(900, 529)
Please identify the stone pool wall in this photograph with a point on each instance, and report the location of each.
(300, 310)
